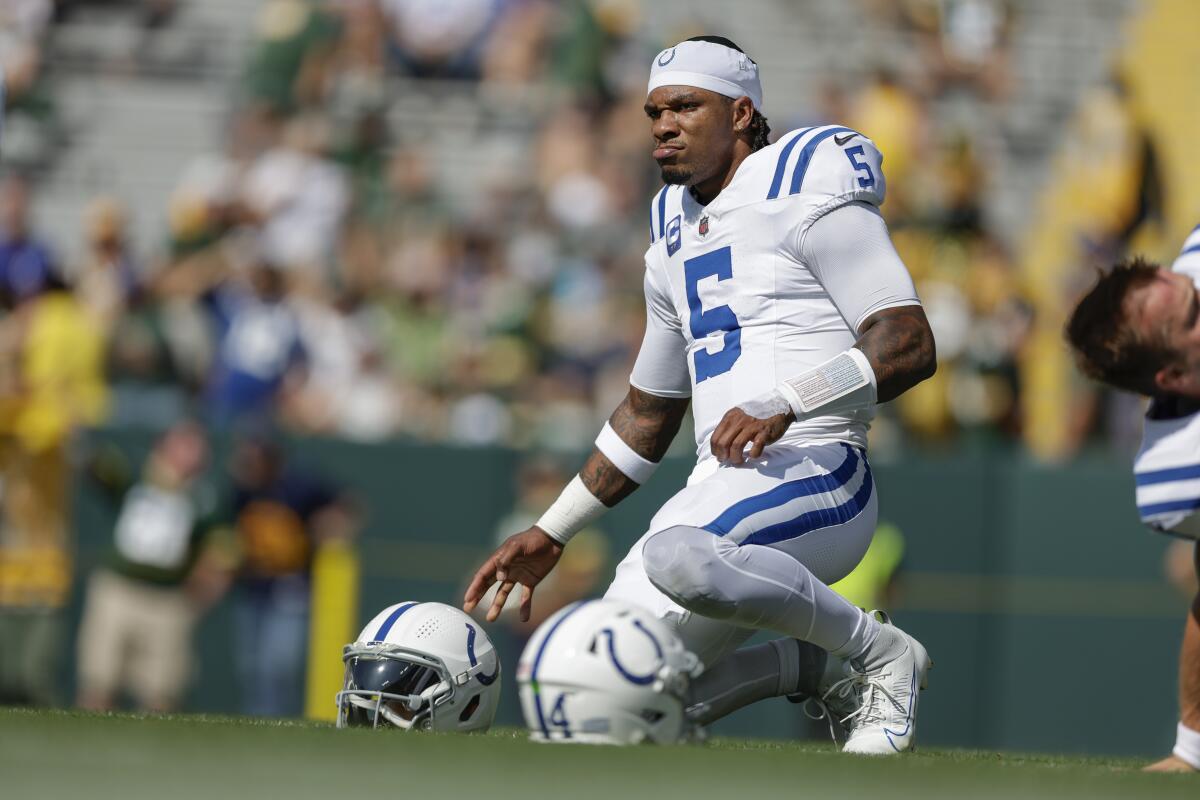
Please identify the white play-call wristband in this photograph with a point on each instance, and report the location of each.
(574, 510)
(1187, 745)
(634, 466)
(843, 383)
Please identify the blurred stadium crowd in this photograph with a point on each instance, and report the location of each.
(315, 271)
(316, 276)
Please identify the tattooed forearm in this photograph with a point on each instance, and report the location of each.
(899, 344)
(646, 423)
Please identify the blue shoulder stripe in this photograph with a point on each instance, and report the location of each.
(777, 182)
(662, 210)
(1193, 249)
(1163, 508)
(1151, 477)
(807, 153)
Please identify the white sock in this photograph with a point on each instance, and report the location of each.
(755, 586)
(1187, 745)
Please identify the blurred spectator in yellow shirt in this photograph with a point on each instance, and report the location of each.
(51, 380)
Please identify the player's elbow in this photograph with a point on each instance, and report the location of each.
(926, 359)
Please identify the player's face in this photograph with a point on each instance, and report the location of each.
(1168, 308)
(693, 133)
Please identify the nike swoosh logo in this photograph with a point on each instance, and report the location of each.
(841, 140)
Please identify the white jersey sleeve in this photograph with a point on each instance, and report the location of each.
(1188, 261)
(661, 368)
(1166, 471)
(851, 254)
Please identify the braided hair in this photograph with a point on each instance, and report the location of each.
(759, 130)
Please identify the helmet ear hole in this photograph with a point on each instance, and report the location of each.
(469, 709)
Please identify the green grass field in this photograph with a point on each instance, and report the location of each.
(45, 754)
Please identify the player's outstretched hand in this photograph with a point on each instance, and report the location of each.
(523, 558)
(738, 429)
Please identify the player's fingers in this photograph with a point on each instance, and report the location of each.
(737, 450)
(526, 602)
(485, 576)
(721, 440)
(503, 559)
(734, 446)
(760, 444)
(500, 599)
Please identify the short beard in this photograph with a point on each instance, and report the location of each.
(676, 175)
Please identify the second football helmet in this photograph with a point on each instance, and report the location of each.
(420, 665)
(606, 672)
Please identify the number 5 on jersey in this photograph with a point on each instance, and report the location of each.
(718, 263)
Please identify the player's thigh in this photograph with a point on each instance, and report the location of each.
(817, 503)
(832, 552)
(709, 639)
(103, 631)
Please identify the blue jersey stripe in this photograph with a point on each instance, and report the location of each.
(816, 519)
(537, 662)
(1167, 475)
(1194, 248)
(1153, 509)
(781, 166)
(785, 493)
(386, 627)
(662, 210)
(807, 153)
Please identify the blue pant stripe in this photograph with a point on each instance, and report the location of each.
(785, 493)
(817, 519)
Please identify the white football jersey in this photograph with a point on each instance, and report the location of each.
(732, 309)
(1167, 468)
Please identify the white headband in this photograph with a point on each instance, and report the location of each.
(707, 65)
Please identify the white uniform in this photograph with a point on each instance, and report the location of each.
(741, 295)
(1167, 468)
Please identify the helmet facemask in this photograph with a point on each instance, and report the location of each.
(387, 682)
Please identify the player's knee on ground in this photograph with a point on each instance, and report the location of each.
(682, 563)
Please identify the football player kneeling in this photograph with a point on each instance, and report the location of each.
(606, 672)
(424, 666)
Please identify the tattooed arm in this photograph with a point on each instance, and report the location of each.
(899, 344)
(648, 424)
(645, 422)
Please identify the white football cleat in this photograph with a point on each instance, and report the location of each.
(878, 706)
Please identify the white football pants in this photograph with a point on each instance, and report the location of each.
(755, 546)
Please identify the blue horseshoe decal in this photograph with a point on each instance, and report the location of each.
(640, 680)
(486, 680)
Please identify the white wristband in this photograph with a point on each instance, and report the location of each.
(1187, 745)
(634, 466)
(573, 511)
(844, 383)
